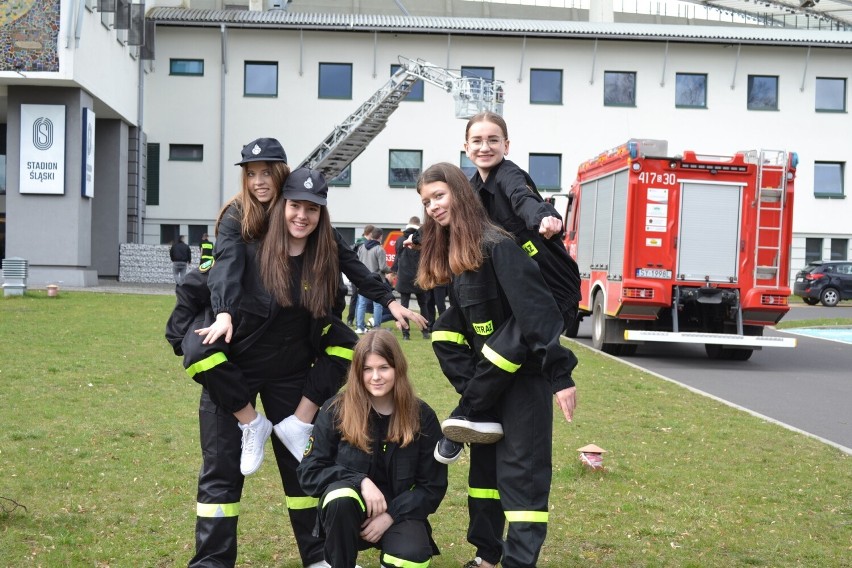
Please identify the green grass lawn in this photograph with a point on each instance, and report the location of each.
(99, 457)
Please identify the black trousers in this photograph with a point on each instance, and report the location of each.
(405, 300)
(220, 482)
(341, 513)
(509, 482)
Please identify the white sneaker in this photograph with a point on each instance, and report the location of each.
(294, 434)
(320, 564)
(360, 330)
(254, 439)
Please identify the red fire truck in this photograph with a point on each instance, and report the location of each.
(690, 248)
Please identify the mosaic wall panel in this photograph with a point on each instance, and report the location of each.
(29, 33)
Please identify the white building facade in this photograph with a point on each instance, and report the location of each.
(220, 78)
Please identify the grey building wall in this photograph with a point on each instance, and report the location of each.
(53, 232)
(109, 206)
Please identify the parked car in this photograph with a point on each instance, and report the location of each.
(826, 281)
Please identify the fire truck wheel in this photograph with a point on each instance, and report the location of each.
(811, 301)
(714, 351)
(829, 297)
(598, 323)
(740, 354)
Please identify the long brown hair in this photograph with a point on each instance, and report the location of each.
(454, 249)
(320, 267)
(487, 116)
(253, 213)
(354, 403)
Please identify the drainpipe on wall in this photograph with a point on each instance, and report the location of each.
(222, 85)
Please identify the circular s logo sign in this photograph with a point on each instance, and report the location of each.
(42, 133)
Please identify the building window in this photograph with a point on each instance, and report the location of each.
(839, 249)
(186, 152)
(546, 86)
(691, 90)
(416, 93)
(344, 178)
(404, 167)
(335, 80)
(619, 88)
(152, 187)
(169, 234)
(195, 234)
(486, 73)
(466, 165)
(830, 95)
(261, 79)
(546, 171)
(193, 67)
(813, 250)
(828, 179)
(762, 92)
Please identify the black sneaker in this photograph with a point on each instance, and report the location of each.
(447, 451)
(462, 430)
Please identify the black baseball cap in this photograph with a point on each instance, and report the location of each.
(263, 150)
(305, 184)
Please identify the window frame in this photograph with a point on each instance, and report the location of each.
(752, 104)
(417, 93)
(471, 71)
(809, 249)
(607, 85)
(190, 149)
(823, 194)
(544, 100)
(152, 173)
(703, 105)
(817, 81)
(343, 179)
(839, 248)
(173, 72)
(173, 229)
(330, 64)
(532, 170)
(412, 183)
(259, 64)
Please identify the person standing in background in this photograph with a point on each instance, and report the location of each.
(181, 258)
(206, 248)
(373, 256)
(405, 266)
(353, 300)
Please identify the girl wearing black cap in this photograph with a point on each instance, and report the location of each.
(288, 284)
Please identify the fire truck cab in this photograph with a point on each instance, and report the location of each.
(690, 248)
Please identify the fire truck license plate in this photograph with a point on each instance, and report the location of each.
(653, 273)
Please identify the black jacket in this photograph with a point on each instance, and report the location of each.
(180, 252)
(508, 284)
(419, 482)
(513, 202)
(331, 340)
(235, 280)
(405, 264)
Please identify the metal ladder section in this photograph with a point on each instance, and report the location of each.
(770, 198)
(355, 133)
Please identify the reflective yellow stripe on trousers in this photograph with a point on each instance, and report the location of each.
(526, 516)
(213, 510)
(388, 560)
(479, 493)
(302, 502)
(344, 492)
(206, 364)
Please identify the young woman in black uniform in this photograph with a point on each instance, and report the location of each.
(370, 462)
(495, 287)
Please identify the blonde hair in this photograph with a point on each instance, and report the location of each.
(253, 213)
(354, 403)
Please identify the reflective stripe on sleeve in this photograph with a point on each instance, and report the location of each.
(342, 493)
(206, 364)
(448, 336)
(341, 352)
(526, 516)
(215, 510)
(498, 360)
(480, 493)
(530, 248)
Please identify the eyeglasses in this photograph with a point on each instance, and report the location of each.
(492, 142)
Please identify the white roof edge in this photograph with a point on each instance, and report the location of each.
(495, 26)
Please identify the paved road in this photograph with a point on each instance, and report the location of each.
(807, 388)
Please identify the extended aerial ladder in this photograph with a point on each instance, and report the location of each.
(351, 137)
